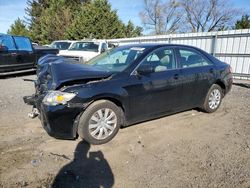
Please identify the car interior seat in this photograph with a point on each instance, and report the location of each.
(164, 64)
(194, 60)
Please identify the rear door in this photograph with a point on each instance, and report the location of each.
(197, 74)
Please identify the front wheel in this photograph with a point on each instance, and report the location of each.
(213, 99)
(100, 122)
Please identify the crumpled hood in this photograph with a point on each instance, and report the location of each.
(85, 54)
(53, 71)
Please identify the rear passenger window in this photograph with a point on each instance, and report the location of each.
(192, 59)
(23, 44)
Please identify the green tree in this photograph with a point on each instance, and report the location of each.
(243, 23)
(34, 10)
(54, 23)
(18, 28)
(96, 20)
(49, 19)
(132, 31)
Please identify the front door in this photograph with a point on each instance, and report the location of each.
(155, 92)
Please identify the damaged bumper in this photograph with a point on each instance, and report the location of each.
(30, 100)
(59, 121)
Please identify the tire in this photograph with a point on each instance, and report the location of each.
(213, 99)
(105, 119)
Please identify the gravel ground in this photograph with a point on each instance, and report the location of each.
(189, 149)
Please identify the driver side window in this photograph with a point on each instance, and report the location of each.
(160, 60)
(7, 42)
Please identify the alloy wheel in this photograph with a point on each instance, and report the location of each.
(102, 123)
(214, 99)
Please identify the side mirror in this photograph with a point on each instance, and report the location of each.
(103, 50)
(145, 69)
(3, 48)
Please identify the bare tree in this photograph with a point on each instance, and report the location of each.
(208, 15)
(161, 17)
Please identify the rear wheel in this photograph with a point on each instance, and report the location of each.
(213, 99)
(100, 122)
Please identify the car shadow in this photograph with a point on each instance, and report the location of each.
(17, 75)
(88, 169)
(246, 85)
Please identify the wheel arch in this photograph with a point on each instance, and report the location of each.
(116, 100)
(113, 99)
(119, 103)
(222, 85)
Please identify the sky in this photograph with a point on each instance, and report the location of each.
(127, 10)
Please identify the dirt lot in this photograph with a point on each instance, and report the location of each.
(189, 149)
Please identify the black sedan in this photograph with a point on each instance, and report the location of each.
(124, 86)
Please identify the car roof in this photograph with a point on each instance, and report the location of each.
(63, 41)
(145, 45)
(159, 45)
(91, 40)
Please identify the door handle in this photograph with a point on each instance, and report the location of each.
(176, 76)
(13, 53)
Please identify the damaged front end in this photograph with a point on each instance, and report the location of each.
(31, 100)
(42, 84)
(56, 101)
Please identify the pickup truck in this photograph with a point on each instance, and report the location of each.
(18, 55)
(84, 50)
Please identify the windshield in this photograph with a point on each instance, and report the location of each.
(117, 59)
(85, 46)
(61, 45)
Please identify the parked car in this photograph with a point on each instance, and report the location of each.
(35, 44)
(112, 45)
(85, 50)
(61, 44)
(17, 54)
(124, 86)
